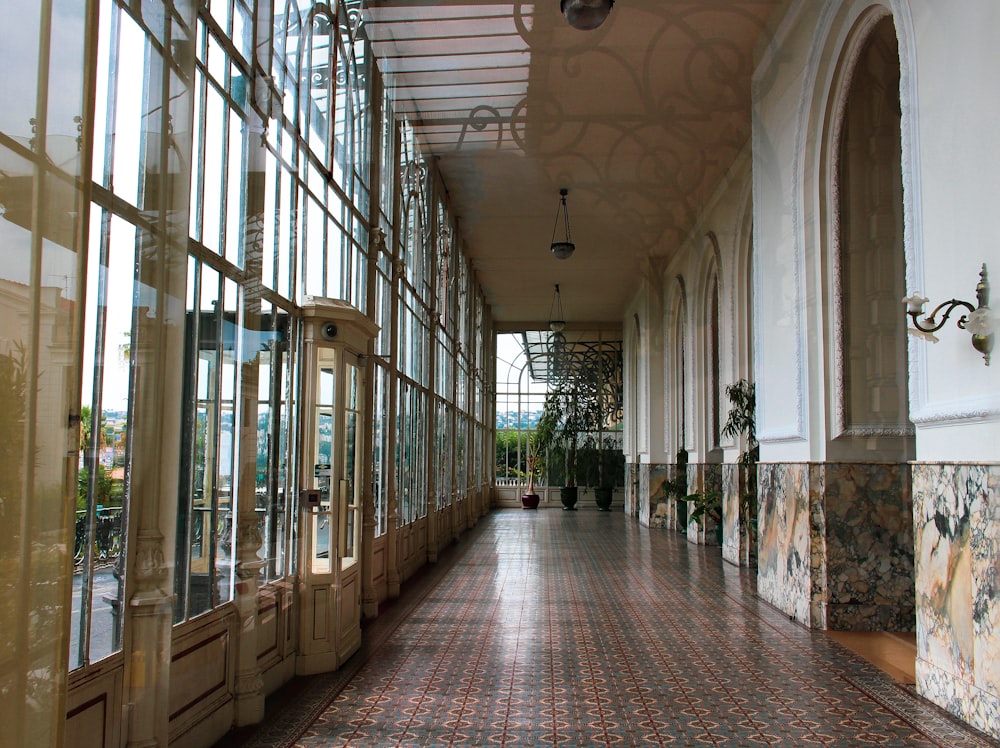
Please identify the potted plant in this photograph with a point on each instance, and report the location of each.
(562, 416)
(604, 489)
(584, 399)
(742, 422)
(678, 489)
(707, 504)
(569, 408)
(537, 451)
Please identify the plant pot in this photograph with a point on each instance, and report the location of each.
(682, 514)
(718, 534)
(529, 501)
(568, 496)
(604, 495)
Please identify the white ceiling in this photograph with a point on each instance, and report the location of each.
(639, 119)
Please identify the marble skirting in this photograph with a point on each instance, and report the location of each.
(869, 547)
(957, 526)
(704, 478)
(784, 572)
(656, 501)
(739, 533)
(836, 544)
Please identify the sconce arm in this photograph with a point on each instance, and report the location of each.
(931, 323)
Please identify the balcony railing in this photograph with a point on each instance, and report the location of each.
(107, 540)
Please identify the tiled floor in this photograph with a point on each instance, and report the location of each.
(585, 629)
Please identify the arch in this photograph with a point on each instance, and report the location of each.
(839, 28)
(855, 182)
(706, 384)
(741, 307)
(676, 354)
(633, 378)
(862, 247)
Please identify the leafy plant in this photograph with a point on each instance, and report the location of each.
(586, 402)
(540, 439)
(706, 504)
(742, 422)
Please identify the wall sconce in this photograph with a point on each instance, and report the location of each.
(979, 321)
(586, 15)
(563, 249)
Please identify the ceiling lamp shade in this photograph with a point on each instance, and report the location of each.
(586, 15)
(556, 322)
(562, 249)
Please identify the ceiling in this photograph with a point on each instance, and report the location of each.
(638, 119)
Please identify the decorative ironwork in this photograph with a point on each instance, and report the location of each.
(978, 321)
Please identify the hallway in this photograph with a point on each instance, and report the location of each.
(584, 628)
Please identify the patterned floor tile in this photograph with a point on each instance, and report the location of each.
(585, 629)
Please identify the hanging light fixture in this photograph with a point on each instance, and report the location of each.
(556, 321)
(562, 249)
(586, 15)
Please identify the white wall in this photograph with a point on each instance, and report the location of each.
(954, 397)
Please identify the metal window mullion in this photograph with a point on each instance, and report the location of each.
(224, 175)
(114, 60)
(193, 338)
(96, 408)
(216, 401)
(274, 444)
(235, 439)
(198, 177)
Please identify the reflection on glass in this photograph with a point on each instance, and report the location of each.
(270, 470)
(99, 568)
(205, 569)
(321, 519)
(40, 210)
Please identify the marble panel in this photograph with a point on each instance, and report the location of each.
(783, 560)
(818, 607)
(706, 478)
(642, 497)
(957, 539)
(631, 490)
(869, 547)
(661, 507)
(732, 537)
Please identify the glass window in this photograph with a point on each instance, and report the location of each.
(99, 578)
(205, 539)
(321, 530)
(350, 500)
(272, 479)
(380, 448)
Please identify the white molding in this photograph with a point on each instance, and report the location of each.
(955, 412)
(843, 78)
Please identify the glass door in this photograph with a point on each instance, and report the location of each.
(330, 578)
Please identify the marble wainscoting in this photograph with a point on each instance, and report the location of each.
(738, 538)
(637, 491)
(835, 544)
(957, 527)
(662, 508)
(655, 507)
(634, 506)
(867, 512)
(703, 478)
(783, 547)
